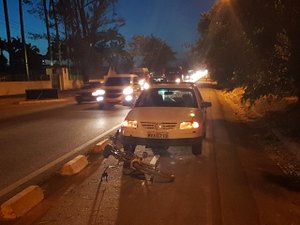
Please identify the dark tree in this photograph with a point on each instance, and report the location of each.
(152, 52)
(90, 25)
(35, 59)
(251, 48)
(81, 28)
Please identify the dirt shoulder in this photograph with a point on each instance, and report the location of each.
(280, 119)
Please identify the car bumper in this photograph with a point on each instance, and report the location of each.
(117, 101)
(127, 140)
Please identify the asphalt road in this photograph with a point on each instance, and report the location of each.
(232, 182)
(29, 142)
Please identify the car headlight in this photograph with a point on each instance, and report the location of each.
(146, 86)
(189, 125)
(100, 98)
(128, 98)
(177, 80)
(128, 91)
(141, 82)
(98, 92)
(129, 123)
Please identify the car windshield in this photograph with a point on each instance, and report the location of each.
(91, 85)
(162, 97)
(117, 81)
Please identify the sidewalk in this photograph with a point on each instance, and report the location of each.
(12, 106)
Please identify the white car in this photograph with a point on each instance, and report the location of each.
(166, 114)
(119, 89)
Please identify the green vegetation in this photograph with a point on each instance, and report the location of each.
(90, 36)
(83, 35)
(16, 66)
(252, 44)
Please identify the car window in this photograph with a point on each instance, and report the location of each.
(91, 85)
(162, 97)
(117, 81)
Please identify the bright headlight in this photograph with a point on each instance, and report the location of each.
(129, 123)
(146, 86)
(141, 82)
(98, 92)
(128, 98)
(128, 91)
(177, 80)
(189, 125)
(99, 98)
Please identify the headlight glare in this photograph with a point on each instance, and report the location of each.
(99, 98)
(195, 125)
(128, 98)
(189, 125)
(141, 82)
(146, 86)
(98, 92)
(128, 91)
(129, 123)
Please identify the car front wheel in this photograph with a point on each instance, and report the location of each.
(197, 149)
(78, 100)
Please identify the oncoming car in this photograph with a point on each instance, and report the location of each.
(86, 92)
(119, 89)
(166, 115)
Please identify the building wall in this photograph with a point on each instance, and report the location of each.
(59, 78)
(17, 88)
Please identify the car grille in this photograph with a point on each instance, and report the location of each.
(158, 126)
(113, 93)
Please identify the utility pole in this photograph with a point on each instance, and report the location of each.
(23, 39)
(58, 42)
(7, 31)
(50, 49)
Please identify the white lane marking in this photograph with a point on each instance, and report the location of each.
(53, 163)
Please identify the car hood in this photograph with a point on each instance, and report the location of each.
(163, 114)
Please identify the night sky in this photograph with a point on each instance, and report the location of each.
(174, 21)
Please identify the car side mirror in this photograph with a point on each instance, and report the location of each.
(205, 104)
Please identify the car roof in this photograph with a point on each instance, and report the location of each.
(173, 85)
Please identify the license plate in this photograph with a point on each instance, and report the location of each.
(158, 135)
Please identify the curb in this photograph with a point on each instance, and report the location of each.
(74, 166)
(41, 101)
(21, 203)
(100, 146)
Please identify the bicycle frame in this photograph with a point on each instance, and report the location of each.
(136, 163)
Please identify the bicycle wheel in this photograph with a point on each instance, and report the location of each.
(154, 172)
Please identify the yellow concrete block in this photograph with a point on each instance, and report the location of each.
(74, 166)
(21, 203)
(101, 145)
